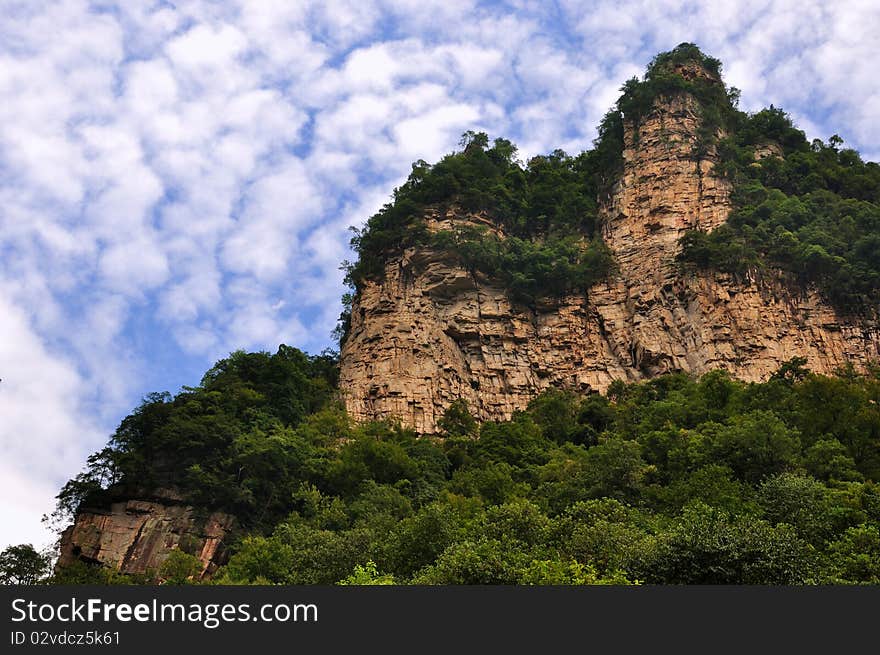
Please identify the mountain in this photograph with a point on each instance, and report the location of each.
(562, 367)
(431, 327)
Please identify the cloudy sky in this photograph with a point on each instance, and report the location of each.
(176, 178)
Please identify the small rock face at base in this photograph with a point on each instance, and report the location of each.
(136, 536)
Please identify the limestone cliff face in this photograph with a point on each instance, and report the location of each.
(136, 536)
(431, 332)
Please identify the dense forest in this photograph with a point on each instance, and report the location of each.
(677, 480)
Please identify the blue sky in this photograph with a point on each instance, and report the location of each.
(177, 178)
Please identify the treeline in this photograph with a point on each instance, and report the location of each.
(673, 481)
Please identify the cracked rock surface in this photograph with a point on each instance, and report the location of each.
(136, 536)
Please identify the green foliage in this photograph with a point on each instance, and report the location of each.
(556, 572)
(713, 484)
(707, 546)
(457, 420)
(511, 544)
(754, 445)
(606, 533)
(687, 481)
(259, 560)
(367, 575)
(518, 443)
(554, 411)
(319, 555)
(676, 480)
(80, 573)
(552, 194)
(663, 78)
(827, 460)
(417, 541)
(802, 502)
(530, 268)
(485, 561)
(495, 482)
(855, 557)
(23, 565)
(179, 568)
(231, 443)
(811, 215)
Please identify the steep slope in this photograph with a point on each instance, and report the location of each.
(430, 331)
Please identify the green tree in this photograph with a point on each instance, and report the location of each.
(482, 561)
(556, 413)
(418, 540)
(855, 557)
(615, 468)
(23, 565)
(756, 444)
(827, 459)
(367, 575)
(707, 546)
(605, 534)
(558, 572)
(259, 560)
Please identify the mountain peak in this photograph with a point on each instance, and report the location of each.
(687, 60)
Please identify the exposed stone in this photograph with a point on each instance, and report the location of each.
(768, 149)
(431, 332)
(136, 536)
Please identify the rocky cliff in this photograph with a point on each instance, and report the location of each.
(136, 536)
(429, 331)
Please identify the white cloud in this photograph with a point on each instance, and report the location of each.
(45, 432)
(204, 49)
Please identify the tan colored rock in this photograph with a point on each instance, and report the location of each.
(136, 536)
(431, 332)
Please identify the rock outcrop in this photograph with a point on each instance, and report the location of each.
(136, 536)
(430, 331)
